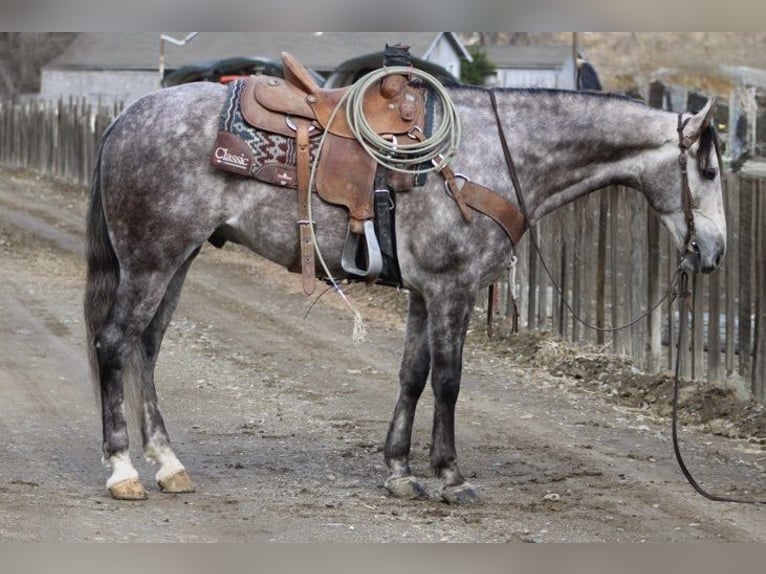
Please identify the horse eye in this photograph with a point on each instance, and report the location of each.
(709, 173)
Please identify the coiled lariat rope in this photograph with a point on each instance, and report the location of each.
(416, 155)
(420, 154)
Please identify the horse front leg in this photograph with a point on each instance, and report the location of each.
(413, 373)
(448, 319)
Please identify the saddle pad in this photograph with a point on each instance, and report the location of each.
(270, 156)
(245, 150)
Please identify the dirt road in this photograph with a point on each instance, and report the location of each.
(280, 420)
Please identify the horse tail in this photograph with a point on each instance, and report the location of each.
(102, 269)
(102, 278)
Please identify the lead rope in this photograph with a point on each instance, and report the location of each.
(683, 283)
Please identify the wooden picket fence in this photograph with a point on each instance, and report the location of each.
(54, 138)
(606, 252)
(613, 261)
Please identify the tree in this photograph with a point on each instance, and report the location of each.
(22, 54)
(476, 72)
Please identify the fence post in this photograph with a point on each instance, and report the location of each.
(603, 216)
(614, 205)
(758, 385)
(637, 278)
(577, 269)
(698, 352)
(654, 293)
(532, 283)
(745, 274)
(714, 328)
(732, 259)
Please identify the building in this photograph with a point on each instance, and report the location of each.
(540, 67)
(107, 67)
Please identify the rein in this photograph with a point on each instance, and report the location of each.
(533, 233)
(680, 279)
(682, 341)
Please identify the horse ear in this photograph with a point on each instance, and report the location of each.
(708, 112)
(701, 119)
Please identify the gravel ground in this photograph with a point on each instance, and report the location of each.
(280, 420)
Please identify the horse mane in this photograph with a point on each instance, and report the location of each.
(709, 140)
(551, 92)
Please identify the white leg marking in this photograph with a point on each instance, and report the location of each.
(122, 469)
(165, 457)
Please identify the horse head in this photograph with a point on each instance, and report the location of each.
(692, 206)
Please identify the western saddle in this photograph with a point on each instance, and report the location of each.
(296, 107)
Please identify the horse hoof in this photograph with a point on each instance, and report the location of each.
(177, 483)
(406, 487)
(130, 489)
(462, 494)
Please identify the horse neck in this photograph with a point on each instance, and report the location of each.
(566, 144)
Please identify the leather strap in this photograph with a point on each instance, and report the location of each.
(687, 201)
(488, 202)
(502, 211)
(303, 161)
(456, 192)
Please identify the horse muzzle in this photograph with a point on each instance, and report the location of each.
(694, 261)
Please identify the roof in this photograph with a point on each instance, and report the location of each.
(317, 50)
(509, 56)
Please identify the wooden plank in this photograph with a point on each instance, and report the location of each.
(589, 263)
(490, 307)
(577, 297)
(697, 327)
(684, 349)
(614, 204)
(522, 277)
(759, 358)
(636, 274)
(603, 217)
(731, 202)
(653, 293)
(745, 269)
(551, 232)
(714, 328)
(563, 312)
(674, 310)
(532, 287)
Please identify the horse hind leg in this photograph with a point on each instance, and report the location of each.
(171, 476)
(116, 344)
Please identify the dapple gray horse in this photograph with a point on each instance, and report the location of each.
(155, 201)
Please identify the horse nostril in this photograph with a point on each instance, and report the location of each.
(719, 258)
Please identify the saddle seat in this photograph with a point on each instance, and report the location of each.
(391, 108)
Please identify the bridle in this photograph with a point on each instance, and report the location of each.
(691, 249)
(678, 285)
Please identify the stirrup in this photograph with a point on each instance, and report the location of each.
(367, 247)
